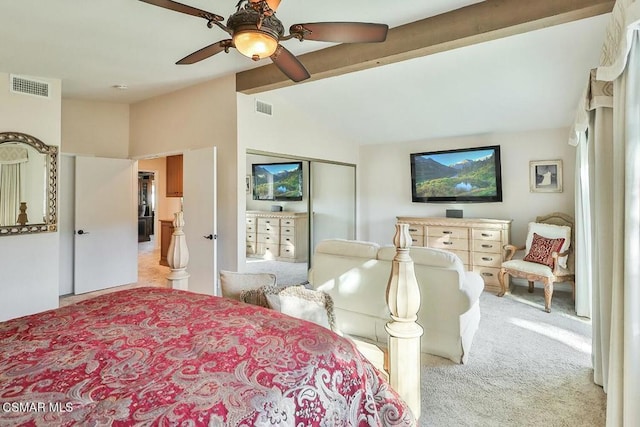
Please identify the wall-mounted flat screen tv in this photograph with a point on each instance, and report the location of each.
(277, 181)
(462, 175)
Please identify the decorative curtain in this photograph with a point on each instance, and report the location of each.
(10, 159)
(607, 136)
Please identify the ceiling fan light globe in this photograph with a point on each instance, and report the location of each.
(255, 44)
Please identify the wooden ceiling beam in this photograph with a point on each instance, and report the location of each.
(477, 23)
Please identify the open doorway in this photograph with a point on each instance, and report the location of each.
(150, 272)
(154, 210)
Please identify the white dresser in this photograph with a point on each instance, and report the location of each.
(478, 242)
(282, 236)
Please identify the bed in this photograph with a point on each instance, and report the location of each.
(154, 356)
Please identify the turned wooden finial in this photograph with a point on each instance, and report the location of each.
(178, 255)
(403, 298)
(403, 293)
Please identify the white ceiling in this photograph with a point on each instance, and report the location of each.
(529, 81)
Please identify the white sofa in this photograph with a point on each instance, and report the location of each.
(356, 274)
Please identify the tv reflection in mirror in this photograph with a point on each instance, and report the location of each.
(461, 175)
(277, 181)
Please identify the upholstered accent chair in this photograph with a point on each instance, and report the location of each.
(549, 256)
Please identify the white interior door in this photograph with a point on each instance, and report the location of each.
(106, 236)
(200, 223)
(333, 202)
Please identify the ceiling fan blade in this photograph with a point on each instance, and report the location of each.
(341, 32)
(179, 7)
(206, 52)
(289, 64)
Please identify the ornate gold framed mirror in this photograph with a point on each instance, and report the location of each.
(28, 185)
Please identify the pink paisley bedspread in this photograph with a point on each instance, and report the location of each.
(153, 356)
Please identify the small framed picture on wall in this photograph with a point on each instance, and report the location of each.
(545, 176)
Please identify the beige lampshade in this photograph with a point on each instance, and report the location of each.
(255, 44)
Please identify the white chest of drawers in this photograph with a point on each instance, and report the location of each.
(478, 242)
(277, 235)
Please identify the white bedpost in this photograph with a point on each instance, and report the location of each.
(403, 298)
(178, 255)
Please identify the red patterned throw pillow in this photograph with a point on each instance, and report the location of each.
(542, 248)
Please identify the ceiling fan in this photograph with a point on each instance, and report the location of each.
(256, 32)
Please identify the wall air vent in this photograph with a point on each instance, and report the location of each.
(264, 108)
(29, 86)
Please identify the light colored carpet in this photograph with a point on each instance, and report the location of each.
(526, 368)
(287, 273)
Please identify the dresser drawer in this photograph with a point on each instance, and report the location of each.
(251, 248)
(251, 220)
(452, 232)
(287, 251)
(416, 230)
(488, 274)
(487, 246)
(287, 231)
(486, 259)
(269, 238)
(287, 240)
(270, 221)
(251, 237)
(287, 222)
(268, 228)
(446, 242)
(268, 249)
(464, 257)
(483, 234)
(417, 241)
(251, 228)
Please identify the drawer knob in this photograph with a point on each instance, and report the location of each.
(447, 232)
(487, 274)
(487, 246)
(485, 235)
(447, 243)
(485, 258)
(413, 229)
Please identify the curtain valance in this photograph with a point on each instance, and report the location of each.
(597, 94)
(625, 18)
(10, 155)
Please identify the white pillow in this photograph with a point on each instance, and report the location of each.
(232, 284)
(303, 303)
(551, 231)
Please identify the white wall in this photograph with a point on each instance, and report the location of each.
(288, 131)
(198, 116)
(95, 128)
(384, 178)
(29, 263)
